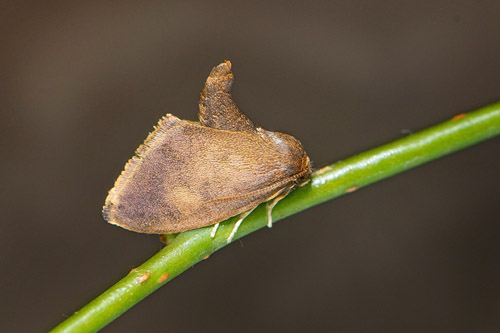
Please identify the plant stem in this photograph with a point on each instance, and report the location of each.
(190, 247)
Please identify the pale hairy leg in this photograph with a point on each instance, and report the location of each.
(214, 230)
(238, 223)
(273, 203)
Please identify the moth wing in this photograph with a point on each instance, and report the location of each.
(216, 107)
(187, 176)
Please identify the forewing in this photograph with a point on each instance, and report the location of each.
(187, 176)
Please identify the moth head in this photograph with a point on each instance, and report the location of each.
(306, 165)
(294, 154)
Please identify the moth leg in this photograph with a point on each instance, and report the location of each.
(214, 230)
(238, 223)
(280, 195)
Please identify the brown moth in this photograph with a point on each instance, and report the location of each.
(188, 175)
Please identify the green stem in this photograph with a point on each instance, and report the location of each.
(190, 247)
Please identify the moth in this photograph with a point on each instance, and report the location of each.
(188, 175)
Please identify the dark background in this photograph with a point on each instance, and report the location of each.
(82, 84)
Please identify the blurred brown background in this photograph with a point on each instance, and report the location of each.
(82, 84)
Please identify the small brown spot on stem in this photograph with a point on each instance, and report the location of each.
(323, 170)
(163, 278)
(143, 278)
(352, 189)
(132, 270)
(206, 257)
(459, 116)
